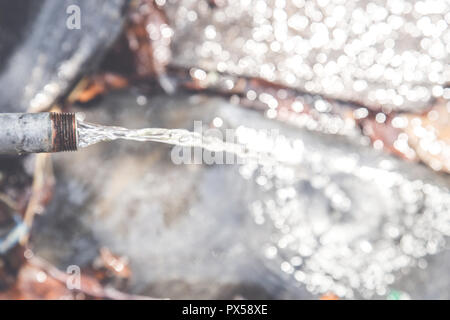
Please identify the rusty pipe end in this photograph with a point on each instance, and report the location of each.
(64, 132)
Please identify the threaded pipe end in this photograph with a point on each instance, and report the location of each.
(64, 132)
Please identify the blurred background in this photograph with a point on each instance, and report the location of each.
(358, 208)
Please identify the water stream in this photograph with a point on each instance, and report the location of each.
(90, 133)
(341, 221)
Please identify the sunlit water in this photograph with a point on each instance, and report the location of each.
(341, 222)
(269, 151)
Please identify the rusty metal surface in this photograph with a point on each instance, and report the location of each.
(64, 132)
(37, 132)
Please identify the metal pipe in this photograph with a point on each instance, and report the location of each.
(37, 132)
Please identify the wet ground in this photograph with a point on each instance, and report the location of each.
(189, 231)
